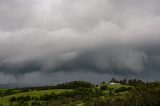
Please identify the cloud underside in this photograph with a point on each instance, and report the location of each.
(89, 36)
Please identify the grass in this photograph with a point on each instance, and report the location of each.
(5, 100)
(81, 104)
(114, 87)
(117, 86)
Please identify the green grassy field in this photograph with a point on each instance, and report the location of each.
(116, 86)
(35, 93)
(5, 100)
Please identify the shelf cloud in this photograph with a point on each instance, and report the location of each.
(79, 36)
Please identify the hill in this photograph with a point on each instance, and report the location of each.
(80, 93)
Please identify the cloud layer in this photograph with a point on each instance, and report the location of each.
(97, 36)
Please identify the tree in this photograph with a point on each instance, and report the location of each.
(103, 87)
(112, 80)
(130, 82)
(103, 83)
(124, 81)
(12, 99)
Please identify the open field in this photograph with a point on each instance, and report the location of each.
(5, 100)
(36, 93)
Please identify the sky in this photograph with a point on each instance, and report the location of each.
(52, 41)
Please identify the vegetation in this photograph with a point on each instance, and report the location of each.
(79, 93)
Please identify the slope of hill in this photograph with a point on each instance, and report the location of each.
(80, 93)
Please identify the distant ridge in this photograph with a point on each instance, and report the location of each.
(16, 85)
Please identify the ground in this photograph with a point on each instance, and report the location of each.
(5, 100)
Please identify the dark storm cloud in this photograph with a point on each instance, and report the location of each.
(96, 36)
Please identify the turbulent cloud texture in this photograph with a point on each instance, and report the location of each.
(79, 36)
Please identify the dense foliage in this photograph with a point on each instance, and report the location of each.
(121, 93)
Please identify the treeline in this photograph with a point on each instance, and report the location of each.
(66, 85)
(7, 92)
(141, 95)
(131, 82)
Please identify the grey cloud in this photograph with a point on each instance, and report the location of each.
(15, 15)
(97, 36)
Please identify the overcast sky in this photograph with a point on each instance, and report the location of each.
(51, 41)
